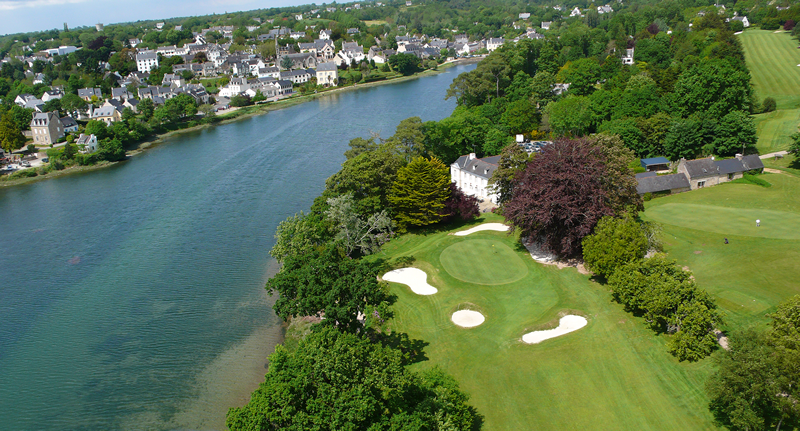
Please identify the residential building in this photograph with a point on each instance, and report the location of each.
(743, 19)
(576, 12)
(120, 94)
(298, 76)
(650, 182)
(46, 128)
(325, 34)
(655, 164)
(327, 74)
(87, 143)
(235, 87)
(107, 113)
(69, 124)
(604, 9)
(494, 43)
(472, 175)
(524, 15)
(627, 58)
(305, 60)
(52, 94)
(546, 25)
(146, 61)
(87, 94)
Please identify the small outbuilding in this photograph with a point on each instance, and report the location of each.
(673, 183)
(655, 164)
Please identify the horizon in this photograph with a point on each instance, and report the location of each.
(26, 16)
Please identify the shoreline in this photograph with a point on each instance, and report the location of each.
(253, 111)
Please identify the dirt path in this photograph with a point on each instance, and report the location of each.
(771, 155)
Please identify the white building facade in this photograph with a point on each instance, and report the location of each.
(472, 175)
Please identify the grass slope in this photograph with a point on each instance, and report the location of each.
(772, 59)
(757, 269)
(614, 374)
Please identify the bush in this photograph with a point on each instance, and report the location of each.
(615, 242)
(789, 25)
(768, 105)
(647, 197)
(770, 24)
(25, 173)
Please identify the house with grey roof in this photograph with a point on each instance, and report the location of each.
(87, 93)
(87, 143)
(700, 172)
(653, 183)
(69, 124)
(472, 175)
(327, 74)
(46, 128)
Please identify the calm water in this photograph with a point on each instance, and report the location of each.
(132, 297)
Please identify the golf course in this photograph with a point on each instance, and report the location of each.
(613, 374)
(773, 59)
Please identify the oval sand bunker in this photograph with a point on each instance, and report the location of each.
(467, 318)
(499, 227)
(566, 325)
(414, 278)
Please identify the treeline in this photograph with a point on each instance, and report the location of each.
(351, 372)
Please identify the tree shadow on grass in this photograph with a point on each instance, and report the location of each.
(795, 164)
(412, 349)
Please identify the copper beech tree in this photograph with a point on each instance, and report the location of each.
(564, 191)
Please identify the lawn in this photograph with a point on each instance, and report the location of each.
(758, 268)
(774, 129)
(614, 374)
(773, 60)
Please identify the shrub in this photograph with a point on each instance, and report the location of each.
(25, 173)
(768, 105)
(615, 242)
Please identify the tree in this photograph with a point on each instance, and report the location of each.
(299, 234)
(419, 192)
(744, 391)
(11, 138)
(97, 128)
(513, 160)
(614, 242)
(669, 300)
(337, 381)
(355, 233)
(408, 140)
(571, 116)
(460, 205)
(406, 64)
(715, 87)
(564, 191)
(768, 105)
(286, 62)
(785, 337)
(146, 108)
(520, 117)
(326, 283)
(359, 146)
(582, 75)
(735, 133)
(369, 177)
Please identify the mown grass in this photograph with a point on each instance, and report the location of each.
(773, 60)
(758, 268)
(614, 374)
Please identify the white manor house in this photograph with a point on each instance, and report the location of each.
(472, 175)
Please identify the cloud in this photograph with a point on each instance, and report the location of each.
(19, 4)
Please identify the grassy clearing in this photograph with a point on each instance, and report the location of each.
(614, 374)
(773, 60)
(774, 129)
(375, 22)
(758, 268)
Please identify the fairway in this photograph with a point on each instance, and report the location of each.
(480, 261)
(729, 221)
(774, 129)
(612, 374)
(773, 60)
(758, 269)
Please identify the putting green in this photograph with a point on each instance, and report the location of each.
(729, 221)
(483, 261)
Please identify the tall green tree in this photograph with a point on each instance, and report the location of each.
(614, 242)
(419, 192)
(11, 138)
(337, 381)
(369, 177)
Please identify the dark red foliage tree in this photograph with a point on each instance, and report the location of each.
(460, 205)
(789, 24)
(565, 190)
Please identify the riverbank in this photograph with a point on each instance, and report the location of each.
(237, 115)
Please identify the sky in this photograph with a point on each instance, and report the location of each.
(21, 16)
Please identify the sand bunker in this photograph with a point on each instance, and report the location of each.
(566, 325)
(499, 227)
(414, 278)
(467, 318)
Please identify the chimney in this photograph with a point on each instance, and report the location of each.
(471, 156)
(520, 139)
(712, 158)
(739, 156)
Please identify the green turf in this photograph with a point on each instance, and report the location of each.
(775, 128)
(483, 261)
(772, 59)
(752, 274)
(614, 374)
(729, 221)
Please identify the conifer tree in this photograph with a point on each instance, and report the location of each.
(419, 192)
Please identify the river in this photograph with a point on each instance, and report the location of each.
(133, 297)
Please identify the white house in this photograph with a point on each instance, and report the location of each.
(546, 25)
(524, 15)
(146, 61)
(236, 86)
(627, 58)
(494, 43)
(472, 175)
(575, 12)
(327, 74)
(743, 19)
(325, 34)
(87, 143)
